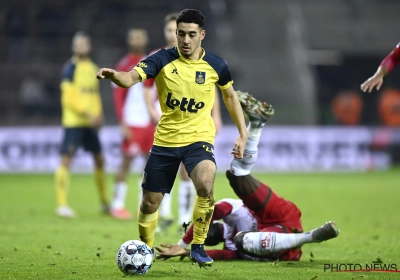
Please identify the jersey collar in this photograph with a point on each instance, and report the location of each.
(189, 60)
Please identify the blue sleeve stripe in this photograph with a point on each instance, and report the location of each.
(220, 66)
(157, 61)
(68, 71)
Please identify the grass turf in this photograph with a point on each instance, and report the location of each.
(35, 244)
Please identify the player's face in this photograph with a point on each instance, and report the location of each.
(170, 33)
(137, 39)
(81, 46)
(189, 37)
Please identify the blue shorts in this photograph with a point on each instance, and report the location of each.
(163, 164)
(75, 137)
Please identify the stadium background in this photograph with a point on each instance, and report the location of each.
(296, 55)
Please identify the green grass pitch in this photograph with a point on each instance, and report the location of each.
(35, 244)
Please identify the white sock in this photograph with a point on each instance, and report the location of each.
(241, 167)
(165, 207)
(120, 190)
(264, 243)
(254, 130)
(187, 196)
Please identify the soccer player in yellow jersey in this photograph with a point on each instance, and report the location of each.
(81, 119)
(185, 78)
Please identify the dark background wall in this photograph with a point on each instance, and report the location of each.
(295, 55)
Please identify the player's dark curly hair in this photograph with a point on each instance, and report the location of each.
(215, 234)
(191, 16)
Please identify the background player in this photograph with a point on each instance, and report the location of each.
(261, 226)
(81, 119)
(386, 66)
(136, 126)
(185, 79)
(186, 191)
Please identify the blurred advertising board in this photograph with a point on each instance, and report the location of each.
(281, 149)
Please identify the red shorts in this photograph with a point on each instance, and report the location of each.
(141, 141)
(271, 210)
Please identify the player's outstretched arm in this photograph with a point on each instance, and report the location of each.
(235, 110)
(174, 250)
(171, 250)
(386, 66)
(121, 79)
(375, 81)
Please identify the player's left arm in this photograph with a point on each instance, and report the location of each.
(224, 254)
(167, 251)
(235, 110)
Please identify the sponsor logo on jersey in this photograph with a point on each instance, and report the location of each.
(200, 77)
(175, 71)
(189, 105)
(142, 65)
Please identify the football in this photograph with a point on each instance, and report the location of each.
(134, 257)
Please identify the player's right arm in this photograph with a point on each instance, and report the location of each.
(386, 66)
(147, 68)
(121, 79)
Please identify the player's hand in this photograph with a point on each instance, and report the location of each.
(172, 250)
(126, 132)
(106, 73)
(240, 145)
(371, 83)
(154, 117)
(96, 122)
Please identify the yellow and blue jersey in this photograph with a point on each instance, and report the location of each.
(186, 91)
(79, 92)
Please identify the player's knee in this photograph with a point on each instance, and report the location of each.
(66, 161)
(148, 207)
(205, 192)
(150, 202)
(204, 186)
(99, 161)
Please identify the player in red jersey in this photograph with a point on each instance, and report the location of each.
(137, 128)
(187, 192)
(260, 226)
(386, 66)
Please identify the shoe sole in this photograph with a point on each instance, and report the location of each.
(204, 264)
(250, 106)
(328, 231)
